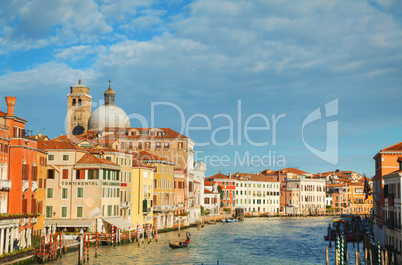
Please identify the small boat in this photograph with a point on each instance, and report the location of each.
(181, 244)
(211, 223)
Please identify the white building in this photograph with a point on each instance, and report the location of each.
(392, 196)
(211, 197)
(257, 194)
(311, 194)
(195, 192)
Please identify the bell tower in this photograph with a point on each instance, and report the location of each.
(78, 109)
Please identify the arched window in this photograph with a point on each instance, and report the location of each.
(74, 102)
(79, 102)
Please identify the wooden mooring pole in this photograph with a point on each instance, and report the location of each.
(326, 255)
(96, 244)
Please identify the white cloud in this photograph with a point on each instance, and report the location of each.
(79, 52)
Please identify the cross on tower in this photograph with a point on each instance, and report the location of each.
(109, 83)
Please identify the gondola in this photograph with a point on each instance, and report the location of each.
(181, 244)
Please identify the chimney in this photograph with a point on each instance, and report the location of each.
(10, 105)
(40, 134)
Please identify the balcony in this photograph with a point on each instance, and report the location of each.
(25, 185)
(147, 210)
(34, 185)
(163, 208)
(125, 205)
(5, 184)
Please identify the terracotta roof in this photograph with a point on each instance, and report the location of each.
(52, 144)
(209, 183)
(253, 177)
(395, 147)
(4, 114)
(207, 191)
(218, 176)
(91, 159)
(285, 171)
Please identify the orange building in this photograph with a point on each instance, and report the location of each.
(386, 162)
(21, 153)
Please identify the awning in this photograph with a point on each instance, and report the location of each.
(69, 222)
(119, 222)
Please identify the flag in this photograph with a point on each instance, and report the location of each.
(365, 188)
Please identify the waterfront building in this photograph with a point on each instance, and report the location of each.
(19, 181)
(257, 194)
(283, 174)
(386, 162)
(82, 189)
(141, 193)
(392, 209)
(180, 194)
(163, 188)
(41, 192)
(109, 126)
(340, 197)
(358, 202)
(311, 194)
(211, 197)
(228, 186)
(195, 192)
(79, 103)
(124, 160)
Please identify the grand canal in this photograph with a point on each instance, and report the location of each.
(253, 241)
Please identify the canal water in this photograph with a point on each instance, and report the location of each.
(253, 241)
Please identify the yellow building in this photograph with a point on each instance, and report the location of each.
(163, 189)
(124, 160)
(358, 202)
(141, 193)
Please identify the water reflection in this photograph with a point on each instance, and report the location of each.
(254, 241)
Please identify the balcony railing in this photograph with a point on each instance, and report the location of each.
(163, 208)
(25, 185)
(34, 185)
(125, 205)
(5, 184)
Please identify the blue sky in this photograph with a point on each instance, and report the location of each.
(274, 57)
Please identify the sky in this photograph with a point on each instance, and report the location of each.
(314, 85)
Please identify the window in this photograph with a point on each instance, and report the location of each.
(109, 158)
(79, 211)
(158, 145)
(180, 145)
(66, 157)
(80, 192)
(50, 173)
(49, 211)
(64, 193)
(49, 193)
(74, 102)
(147, 145)
(139, 145)
(155, 183)
(166, 145)
(129, 177)
(79, 102)
(64, 211)
(65, 173)
(109, 210)
(50, 157)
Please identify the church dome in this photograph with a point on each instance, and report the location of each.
(108, 115)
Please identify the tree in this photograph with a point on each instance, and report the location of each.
(207, 212)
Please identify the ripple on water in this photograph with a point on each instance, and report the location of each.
(255, 241)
